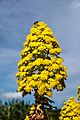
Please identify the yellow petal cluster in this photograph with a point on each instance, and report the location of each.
(40, 66)
(70, 110)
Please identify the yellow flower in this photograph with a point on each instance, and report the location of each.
(58, 50)
(44, 75)
(59, 60)
(49, 93)
(32, 108)
(66, 118)
(28, 37)
(35, 51)
(41, 48)
(53, 83)
(53, 59)
(35, 76)
(19, 88)
(55, 66)
(52, 51)
(28, 88)
(48, 46)
(47, 62)
(59, 87)
(51, 73)
(78, 87)
(21, 68)
(34, 38)
(17, 74)
(50, 68)
(22, 82)
(27, 118)
(24, 51)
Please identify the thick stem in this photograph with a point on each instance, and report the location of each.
(39, 100)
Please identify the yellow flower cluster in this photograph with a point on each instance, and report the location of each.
(42, 38)
(70, 110)
(40, 66)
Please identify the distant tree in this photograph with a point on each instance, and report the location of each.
(40, 69)
(14, 110)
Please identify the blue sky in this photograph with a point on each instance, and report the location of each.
(16, 18)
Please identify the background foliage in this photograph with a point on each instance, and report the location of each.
(17, 110)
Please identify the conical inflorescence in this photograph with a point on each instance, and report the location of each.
(40, 66)
(70, 110)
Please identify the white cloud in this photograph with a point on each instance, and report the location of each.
(12, 95)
